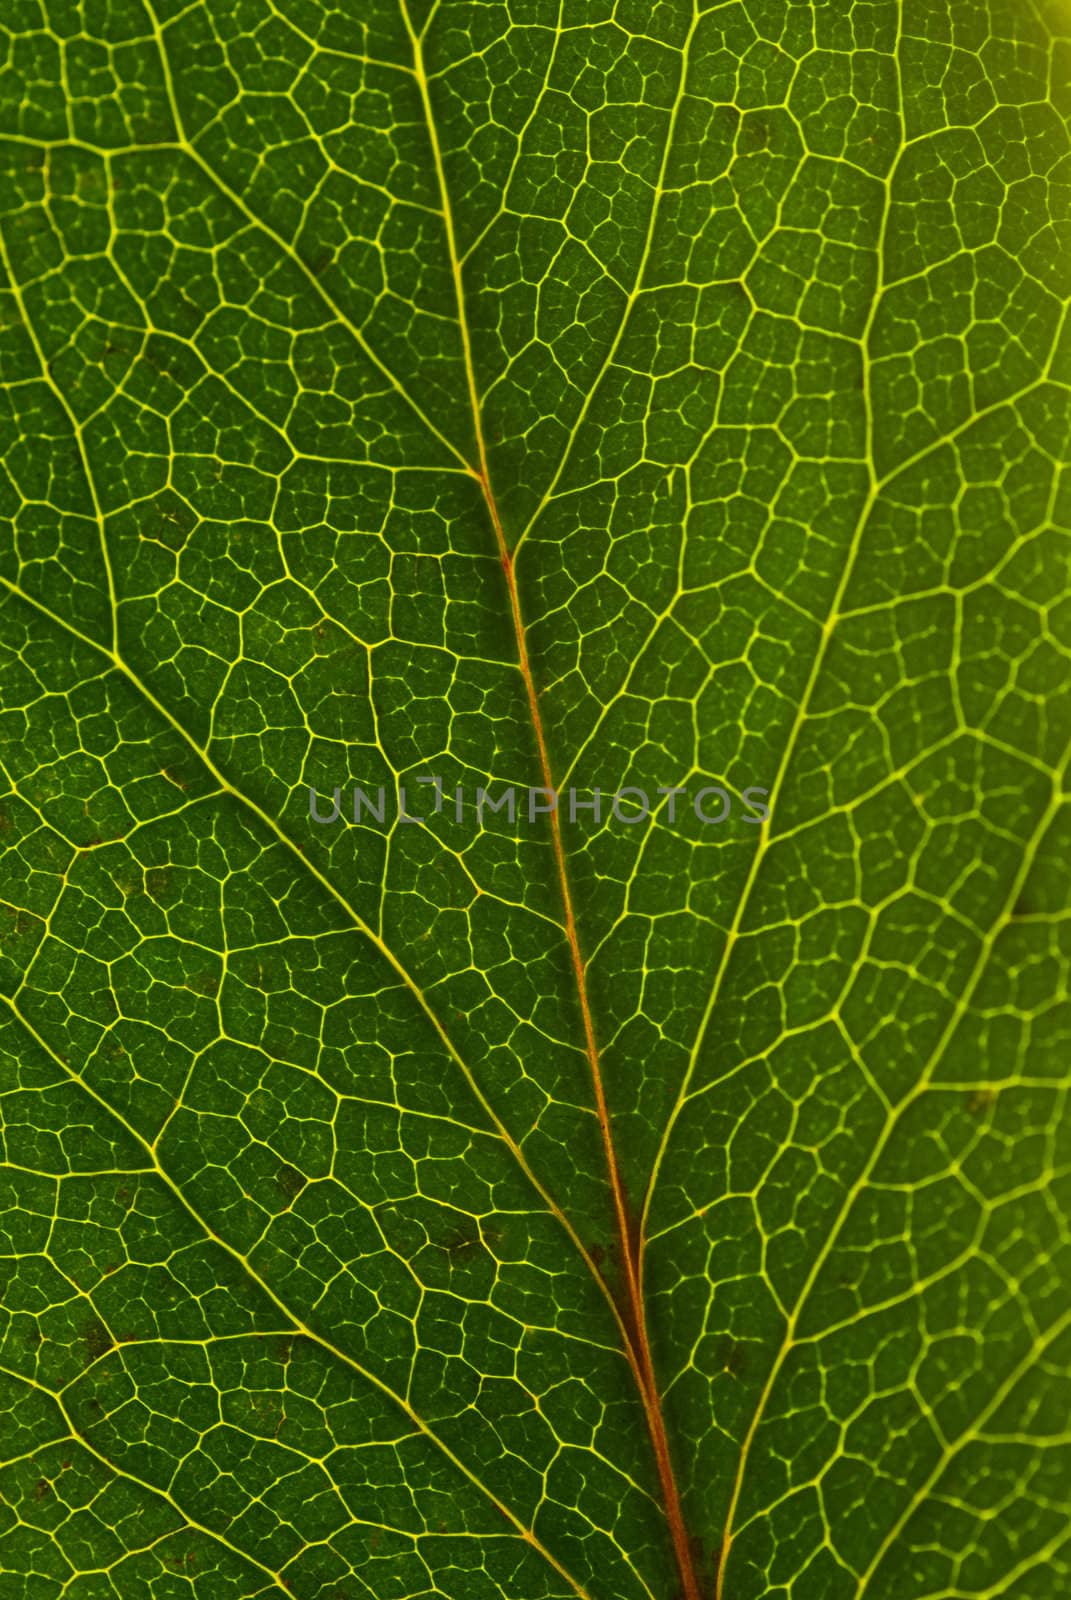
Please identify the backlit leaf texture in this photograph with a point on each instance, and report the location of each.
(535, 393)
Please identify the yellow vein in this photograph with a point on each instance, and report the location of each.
(112, 654)
(298, 1323)
(151, 1488)
(290, 250)
(1003, 1390)
(957, 1013)
(225, 786)
(75, 426)
(764, 838)
(633, 294)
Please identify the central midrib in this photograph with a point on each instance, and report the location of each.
(629, 1295)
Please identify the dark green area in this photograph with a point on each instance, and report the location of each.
(765, 310)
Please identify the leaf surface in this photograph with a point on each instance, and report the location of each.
(587, 397)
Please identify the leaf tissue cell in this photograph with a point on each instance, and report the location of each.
(650, 1181)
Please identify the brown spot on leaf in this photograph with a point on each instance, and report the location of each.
(96, 1338)
(732, 1358)
(290, 1181)
(155, 881)
(462, 1239)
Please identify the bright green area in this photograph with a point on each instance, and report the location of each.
(765, 306)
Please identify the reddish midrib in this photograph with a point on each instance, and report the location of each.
(630, 1301)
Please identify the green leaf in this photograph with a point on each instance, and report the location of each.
(567, 394)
